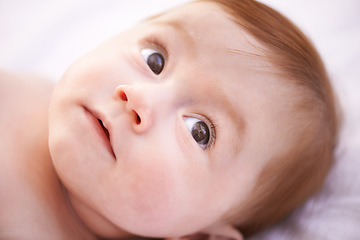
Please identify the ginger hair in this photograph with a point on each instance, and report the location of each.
(287, 182)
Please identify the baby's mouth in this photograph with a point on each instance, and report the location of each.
(107, 134)
(104, 129)
(100, 129)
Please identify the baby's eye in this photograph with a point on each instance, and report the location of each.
(200, 131)
(154, 60)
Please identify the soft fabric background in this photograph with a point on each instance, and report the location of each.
(44, 37)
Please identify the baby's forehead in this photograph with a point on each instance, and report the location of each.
(233, 57)
(225, 49)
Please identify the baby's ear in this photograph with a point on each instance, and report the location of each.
(216, 232)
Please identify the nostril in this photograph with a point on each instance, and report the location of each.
(123, 96)
(137, 118)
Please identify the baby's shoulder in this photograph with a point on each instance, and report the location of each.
(23, 98)
(24, 101)
(19, 92)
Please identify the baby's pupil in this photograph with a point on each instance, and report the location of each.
(156, 63)
(200, 133)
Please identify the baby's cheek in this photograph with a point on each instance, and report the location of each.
(152, 186)
(155, 189)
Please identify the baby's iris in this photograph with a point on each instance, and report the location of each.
(154, 60)
(199, 130)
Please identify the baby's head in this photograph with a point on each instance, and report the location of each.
(213, 113)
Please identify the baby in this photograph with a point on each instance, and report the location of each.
(215, 119)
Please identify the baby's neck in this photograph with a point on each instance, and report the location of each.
(32, 203)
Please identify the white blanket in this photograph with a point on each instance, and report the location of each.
(45, 37)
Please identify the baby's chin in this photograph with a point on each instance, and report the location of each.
(163, 224)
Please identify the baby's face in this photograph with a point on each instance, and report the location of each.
(187, 124)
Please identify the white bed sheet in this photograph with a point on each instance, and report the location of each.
(45, 37)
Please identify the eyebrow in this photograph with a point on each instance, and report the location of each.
(178, 27)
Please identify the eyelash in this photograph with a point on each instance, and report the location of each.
(157, 44)
(212, 132)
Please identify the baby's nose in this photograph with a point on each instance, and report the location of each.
(143, 103)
